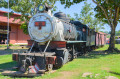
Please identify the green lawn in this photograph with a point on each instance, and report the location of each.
(106, 47)
(95, 62)
(22, 46)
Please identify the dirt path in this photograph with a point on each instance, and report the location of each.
(65, 75)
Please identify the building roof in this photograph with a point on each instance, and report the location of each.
(103, 33)
(4, 18)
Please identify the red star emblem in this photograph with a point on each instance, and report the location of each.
(40, 24)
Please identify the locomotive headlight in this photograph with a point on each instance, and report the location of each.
(41, 8)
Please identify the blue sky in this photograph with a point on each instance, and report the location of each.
(75, 9)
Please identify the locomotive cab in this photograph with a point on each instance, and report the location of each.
(81, 30)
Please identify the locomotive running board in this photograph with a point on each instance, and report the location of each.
(19, 74)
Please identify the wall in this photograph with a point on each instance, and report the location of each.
(22, 38)
(17, 36)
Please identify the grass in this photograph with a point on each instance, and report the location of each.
(104, 64)
(106, 47)
(12, 49)
(6, 63)
(4, 46)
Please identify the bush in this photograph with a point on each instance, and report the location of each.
(24, 27)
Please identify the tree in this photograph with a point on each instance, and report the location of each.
(86, 16)
(108, 11)
(117, 33)
(26, 8)
(71, 18)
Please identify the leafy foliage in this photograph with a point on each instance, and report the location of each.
(117, 33)
(68, 3)
(111, 9)
(24, 26)
(71, 18)
(86, 16)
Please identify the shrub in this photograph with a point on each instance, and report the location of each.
(24, 27)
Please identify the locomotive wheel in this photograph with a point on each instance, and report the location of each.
(59, 62)
(70, 57)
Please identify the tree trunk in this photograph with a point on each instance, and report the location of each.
(112, 39)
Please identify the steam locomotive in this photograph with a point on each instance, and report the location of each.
(56, 41)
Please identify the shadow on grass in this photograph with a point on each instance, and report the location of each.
(10, 51)
(114, 73)
(96, 54)
(7, 66)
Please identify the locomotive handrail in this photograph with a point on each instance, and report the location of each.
(75, 41)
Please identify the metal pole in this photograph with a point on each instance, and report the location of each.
(31, 47)
(46, 46)
(8, 28)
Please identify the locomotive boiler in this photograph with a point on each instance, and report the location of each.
(45, 27)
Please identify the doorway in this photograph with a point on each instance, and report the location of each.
(3, 34)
